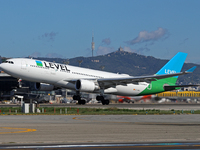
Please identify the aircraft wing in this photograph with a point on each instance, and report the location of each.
(108, 82)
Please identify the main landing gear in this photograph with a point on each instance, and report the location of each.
(80, 101)
(103, 101)
(83, 101)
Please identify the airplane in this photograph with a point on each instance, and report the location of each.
(50, 75)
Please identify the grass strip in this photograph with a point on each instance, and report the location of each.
(93, 111)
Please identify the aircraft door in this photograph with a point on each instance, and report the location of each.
(23, 65)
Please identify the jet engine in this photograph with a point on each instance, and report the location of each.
(85, 86)
(44, 87)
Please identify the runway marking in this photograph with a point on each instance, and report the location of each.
(10, 128)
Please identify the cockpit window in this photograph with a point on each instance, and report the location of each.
(10, 62)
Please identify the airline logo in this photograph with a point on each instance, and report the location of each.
(168, 71)
(39, 63)
(52, 65)
(56, 66)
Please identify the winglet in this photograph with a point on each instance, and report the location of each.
(191, 69)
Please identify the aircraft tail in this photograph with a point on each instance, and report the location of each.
(173, 66)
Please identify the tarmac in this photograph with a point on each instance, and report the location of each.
(49, 129)
(101, 129)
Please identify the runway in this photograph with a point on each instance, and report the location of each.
(98, 130)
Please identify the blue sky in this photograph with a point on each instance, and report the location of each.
(63, 28)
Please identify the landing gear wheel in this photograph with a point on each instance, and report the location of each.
(76, 97)
(107, 102)
(99, 98)
(103, 102)
(81, 102)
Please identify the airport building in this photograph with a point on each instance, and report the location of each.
(9, 90)
(7, 83)
(7, 86)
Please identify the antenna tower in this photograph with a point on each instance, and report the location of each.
(92, 43)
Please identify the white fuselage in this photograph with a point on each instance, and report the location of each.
(59, 75)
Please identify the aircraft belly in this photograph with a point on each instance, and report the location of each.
(130, 89)
(65, 84)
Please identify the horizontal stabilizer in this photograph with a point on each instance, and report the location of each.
(191, 69)
(173, 87)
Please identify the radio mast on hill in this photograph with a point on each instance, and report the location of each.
(92, 43)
